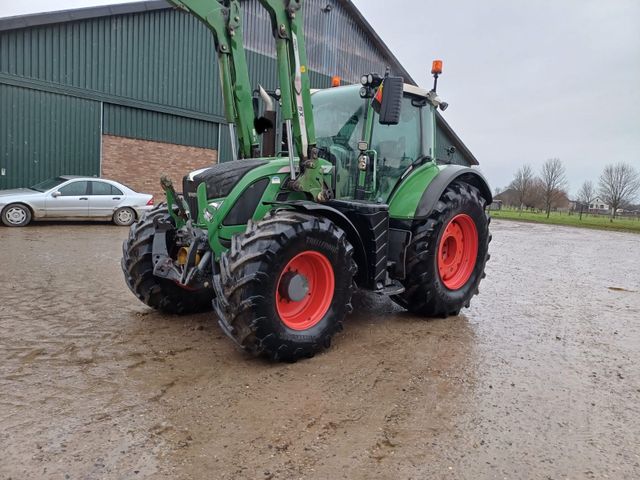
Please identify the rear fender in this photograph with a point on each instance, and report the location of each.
(406, 196)
(448, 175)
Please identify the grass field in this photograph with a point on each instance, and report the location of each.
(573, 220)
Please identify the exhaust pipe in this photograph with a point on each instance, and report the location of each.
(265, 124)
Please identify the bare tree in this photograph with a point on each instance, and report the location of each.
(535, 197)
(553, 180)
(522, 183)
(586, 195)
(618, 184)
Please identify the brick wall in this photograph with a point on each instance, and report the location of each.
(139, 164)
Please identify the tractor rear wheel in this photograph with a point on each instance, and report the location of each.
(285, 286)
(447, 254)
(137, 265)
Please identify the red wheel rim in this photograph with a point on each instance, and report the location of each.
(314, 270)
(458, 251)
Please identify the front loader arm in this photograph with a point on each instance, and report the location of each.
(287, 24)
(224, 20)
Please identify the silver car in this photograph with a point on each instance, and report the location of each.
(73, 198)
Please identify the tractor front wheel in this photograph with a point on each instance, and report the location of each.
(285, 286)
(137, 266)
(447, 255)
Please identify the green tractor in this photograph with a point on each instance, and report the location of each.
(277, 242)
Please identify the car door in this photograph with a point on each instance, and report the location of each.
(70, 200)
(104, 198)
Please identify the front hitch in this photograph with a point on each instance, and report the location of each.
(191, 273)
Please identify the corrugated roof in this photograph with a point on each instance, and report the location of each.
(46, 18)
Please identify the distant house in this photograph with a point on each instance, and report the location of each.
(598, 205)
(509, 197)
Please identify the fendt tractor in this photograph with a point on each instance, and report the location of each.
(276, 240)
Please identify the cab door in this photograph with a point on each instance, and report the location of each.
(397, 147)
(70, 200)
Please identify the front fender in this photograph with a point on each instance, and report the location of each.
(341, 220)
(36, 212)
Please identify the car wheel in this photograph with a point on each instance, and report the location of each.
(16, 215)
(124, 217)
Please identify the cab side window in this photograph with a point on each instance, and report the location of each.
(74, 189)
(398, 145)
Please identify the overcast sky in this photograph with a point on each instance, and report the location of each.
(525, 81)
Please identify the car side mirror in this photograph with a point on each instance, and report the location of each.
(56, 194)
(391, 106)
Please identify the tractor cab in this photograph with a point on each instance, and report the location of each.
(390, 151)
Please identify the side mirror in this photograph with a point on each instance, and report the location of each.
(56, 194)
(391, 103)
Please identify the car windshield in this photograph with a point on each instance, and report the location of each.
(48, 184)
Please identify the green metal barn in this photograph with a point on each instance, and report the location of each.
(131, 92)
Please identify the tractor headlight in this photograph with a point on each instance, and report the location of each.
(211, 210)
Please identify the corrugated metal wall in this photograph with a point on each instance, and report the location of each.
(163, 57)
(65, 139)
(156, 75)
(160, 127)
(336, 44)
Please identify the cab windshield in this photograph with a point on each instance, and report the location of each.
(339, 120)
(338, 115)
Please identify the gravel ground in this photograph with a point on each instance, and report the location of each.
(538, 379)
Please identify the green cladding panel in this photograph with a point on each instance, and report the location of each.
(159, 60)
(44, 135)
(160, 127)
(161, 57)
